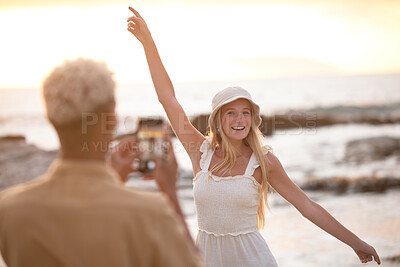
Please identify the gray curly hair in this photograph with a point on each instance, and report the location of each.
(75, 87)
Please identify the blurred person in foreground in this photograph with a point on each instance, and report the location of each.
(232, 172)
(79, 213)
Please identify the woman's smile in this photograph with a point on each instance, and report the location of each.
(238, 128)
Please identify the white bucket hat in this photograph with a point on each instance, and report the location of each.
(229, 95)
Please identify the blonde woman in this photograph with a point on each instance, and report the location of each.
(232, 171)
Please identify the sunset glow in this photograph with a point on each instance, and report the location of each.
(204, 42)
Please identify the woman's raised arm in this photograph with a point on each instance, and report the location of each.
(189, 136)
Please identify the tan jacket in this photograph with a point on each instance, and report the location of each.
(79, 214)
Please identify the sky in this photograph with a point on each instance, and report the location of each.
(202, 40)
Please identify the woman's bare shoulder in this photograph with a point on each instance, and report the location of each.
(272, 161)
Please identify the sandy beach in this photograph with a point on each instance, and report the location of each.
(373, 217)
(296, 242)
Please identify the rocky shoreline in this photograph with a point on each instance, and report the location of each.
(341, 185)
(317, 117)
(21, 162)
(362, 151)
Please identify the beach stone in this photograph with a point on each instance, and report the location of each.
(338, 185)
(368, 184)
(12, 138)
(371, 149)
(308, 119)
(341, 185)
(270, 124)
(394, 259)
(200, 122)
(21, 162)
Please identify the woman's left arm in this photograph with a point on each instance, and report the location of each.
(281, 182)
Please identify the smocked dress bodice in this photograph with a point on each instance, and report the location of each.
(226, 205)
(226, 210)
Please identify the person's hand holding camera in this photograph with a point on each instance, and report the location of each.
(166, 169)
(165, 174)
(122, 156)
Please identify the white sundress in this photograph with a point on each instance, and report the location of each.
(226, 210)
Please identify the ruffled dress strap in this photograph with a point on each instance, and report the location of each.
(206, 156)
(253, 162)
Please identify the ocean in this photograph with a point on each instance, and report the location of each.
(300, 150)
(303, 152)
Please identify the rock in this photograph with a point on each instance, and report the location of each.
(395, 258)
(303, 121)
(368, 184)
(8, 138)
(371, 149)
(270, 124)
(21, 162)
(335, 184)
(200, 122)
(309, 119)
(342, 185)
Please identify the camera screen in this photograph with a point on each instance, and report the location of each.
(151, 143)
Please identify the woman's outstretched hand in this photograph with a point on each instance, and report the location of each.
(366, 253)
(138, 27)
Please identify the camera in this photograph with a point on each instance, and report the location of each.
(151, 143)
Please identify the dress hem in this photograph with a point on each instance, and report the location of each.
(227, 234)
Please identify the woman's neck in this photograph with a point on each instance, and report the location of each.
(239, 148)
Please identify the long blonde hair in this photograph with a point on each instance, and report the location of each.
(254, 140)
